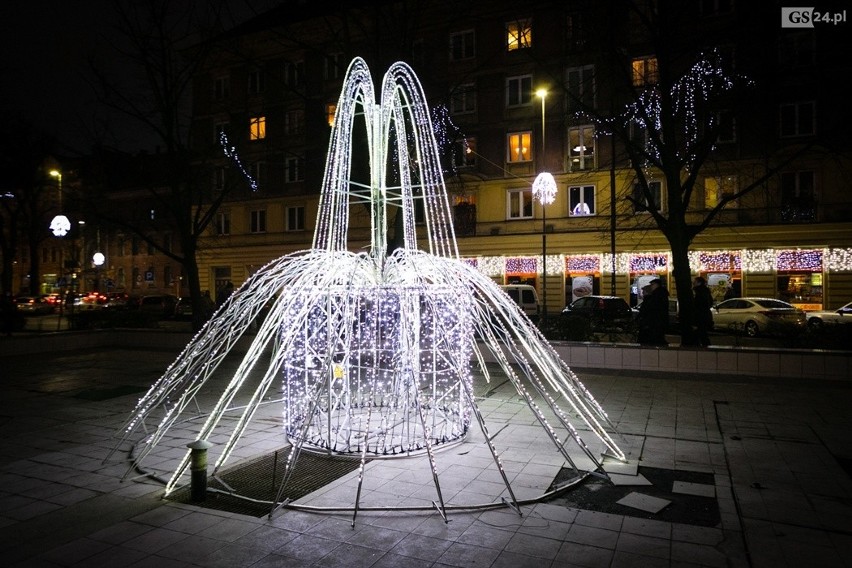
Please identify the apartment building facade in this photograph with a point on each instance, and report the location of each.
(269, 92)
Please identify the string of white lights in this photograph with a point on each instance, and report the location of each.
(374, 352)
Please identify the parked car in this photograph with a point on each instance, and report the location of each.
(161, 305)
(674, 315)
(117, 300)
(93, 301)
(36, 305)
(602, 312)
(755, 316)
(817, 319)
(526, 297)
(183, 307)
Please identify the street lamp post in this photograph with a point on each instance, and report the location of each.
(59, 226)
(544, 189)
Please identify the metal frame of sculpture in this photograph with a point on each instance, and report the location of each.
(374, 351)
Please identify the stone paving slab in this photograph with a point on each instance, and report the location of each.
(777, 452)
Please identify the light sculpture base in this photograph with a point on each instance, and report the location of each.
(373, 352)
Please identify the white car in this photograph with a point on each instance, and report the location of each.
(840, 315)
(755, 316)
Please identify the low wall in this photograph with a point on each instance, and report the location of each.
(788, 363)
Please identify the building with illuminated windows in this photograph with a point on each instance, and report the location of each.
(272, 85)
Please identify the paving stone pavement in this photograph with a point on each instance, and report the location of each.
(777, 452)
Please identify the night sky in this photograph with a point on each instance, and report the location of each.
(45, 74)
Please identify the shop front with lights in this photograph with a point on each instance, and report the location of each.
(642, 269)
(522, 270)
(582, 276)
(723, 272)
(800, 277)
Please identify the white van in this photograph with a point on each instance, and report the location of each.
(526, 297)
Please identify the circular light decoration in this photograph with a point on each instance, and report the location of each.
(60, 225)
(371, 354)
(544, 188)
(98, 259)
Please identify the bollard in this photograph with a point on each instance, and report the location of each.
(198, 468)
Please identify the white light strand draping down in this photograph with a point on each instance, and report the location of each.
(374, 352)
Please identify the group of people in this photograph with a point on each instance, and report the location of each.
(654, 312)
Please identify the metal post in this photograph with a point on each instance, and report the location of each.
(198, 468)
(543, 95)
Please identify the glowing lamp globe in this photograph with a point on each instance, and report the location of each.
(544, 188)
(60, 225)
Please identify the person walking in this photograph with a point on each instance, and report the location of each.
(654, 314)
(703, 315)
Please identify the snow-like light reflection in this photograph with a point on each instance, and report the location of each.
(373, 351)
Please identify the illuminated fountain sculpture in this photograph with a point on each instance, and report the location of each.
(372, 352)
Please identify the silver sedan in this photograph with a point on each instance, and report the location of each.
(755, 316)
(841, 315)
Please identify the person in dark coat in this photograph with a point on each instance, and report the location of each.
(703, 315)
(654, 314)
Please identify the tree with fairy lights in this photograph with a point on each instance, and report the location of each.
(164, 47)
(667, 114)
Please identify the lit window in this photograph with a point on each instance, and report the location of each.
(295, 218)
(256, 82)
(257, 128)
(581, 148)
(581, 88)
(462, 45)
(258, 221)
(518, 35)
(798, 119)
(519, 146)
(518, 90)
(645, 71)
(330, 111)
(293, 169)
(581, 200)
(519, 204)
(641, 203)
(717, 188)
(463, 99)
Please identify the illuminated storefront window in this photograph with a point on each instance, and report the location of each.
(644, 268)
(522, 270)
(799, 278)
(723, 272)
(582, 277)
